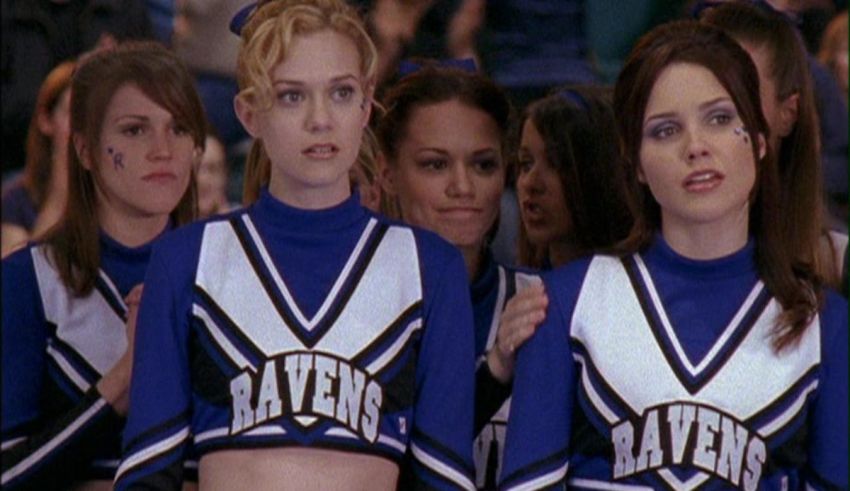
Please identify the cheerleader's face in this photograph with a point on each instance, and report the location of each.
(449, 175)
(312, 131)
(540, 192)
(144, 157)
(695, 156)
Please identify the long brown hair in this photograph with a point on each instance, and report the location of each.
(266, 38)
(161, 76)
(802, 197)
(709, 47)
(38, 170)
(579, 133)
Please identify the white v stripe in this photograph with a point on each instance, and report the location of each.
(671, 334)
(329, 299)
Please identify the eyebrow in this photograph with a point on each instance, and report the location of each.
(333, 80)
(139, 117)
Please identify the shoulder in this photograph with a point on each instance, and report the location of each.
(430, 246)
(833, 316)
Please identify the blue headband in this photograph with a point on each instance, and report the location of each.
(574, 97)
(241, 17)
(406, 67)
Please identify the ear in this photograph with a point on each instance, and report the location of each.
(82, 150)
(247, 115)
(386, 175)
(45, 125)
(789, 110)
(640, 176)
(762, 146)
(368, 102)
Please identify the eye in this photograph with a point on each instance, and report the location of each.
(664, 131)
(720, 118)
(434, 164)
(525, 164)
(132, 130)
(487, 165)
(342, 93)
(180, 129)
(290, 97)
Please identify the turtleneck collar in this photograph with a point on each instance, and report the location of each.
(297, 220)
(735, 264)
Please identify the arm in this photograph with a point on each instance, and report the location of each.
(536, 450)
(39, 453)
(441, 442)
(157, 431)
(522, 314)
(828, 447)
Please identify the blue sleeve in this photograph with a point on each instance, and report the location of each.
(157, 433)
(538, 434)
(441, 442)
(828, 447)
(40, 452)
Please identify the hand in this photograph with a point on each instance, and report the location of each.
(523, 313)
(115, 385)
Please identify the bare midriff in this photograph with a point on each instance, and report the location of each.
(301, 469)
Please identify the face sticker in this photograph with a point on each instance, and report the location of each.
(117, 158)
(742, 132)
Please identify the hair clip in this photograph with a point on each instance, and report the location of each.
(574, 97)
(241, 17)
(406, 67)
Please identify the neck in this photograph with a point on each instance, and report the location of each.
(561, 252)
(131, 231)
(309, 198)
(472, 258)
(709, 240)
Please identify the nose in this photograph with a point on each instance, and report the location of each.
(530, 181)
(161, 144)
(319, 117)
(460, 184)
(695, 147)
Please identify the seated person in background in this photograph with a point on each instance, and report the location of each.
(35, 200)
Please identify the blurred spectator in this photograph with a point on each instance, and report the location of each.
(833, 50)
(161, 13)
(528, 47)
(202, 39)
(211, 176)
(37, 35)
(34, 201)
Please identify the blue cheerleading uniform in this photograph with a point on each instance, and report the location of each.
(279, 327)
(56, 428)
(495, 285)
(655, 371)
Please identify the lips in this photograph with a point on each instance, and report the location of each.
(702, 181)
(159, 176)
(460, 213)
(321, 151)
(532, 211)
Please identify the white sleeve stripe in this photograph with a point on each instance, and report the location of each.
(68, 369)
(606, 486)
(53, 443)
(152, 451)
(379, 363)
(544, 480)
(11, 443)
(441, 468)
(782, 419)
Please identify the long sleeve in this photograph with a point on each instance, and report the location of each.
(828, 447)
(538, 435)
(157, 433)
(44, 451)
(441, 441)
